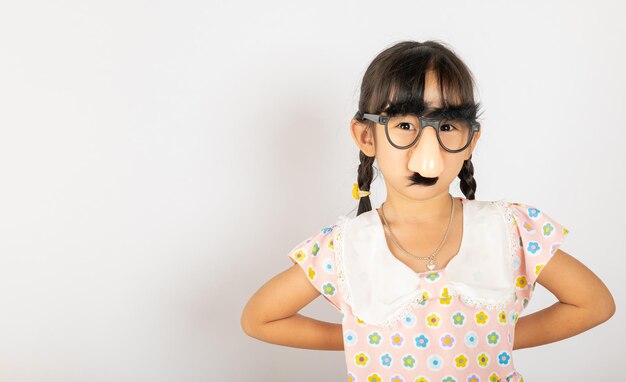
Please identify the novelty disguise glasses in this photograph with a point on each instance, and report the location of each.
(454, 129)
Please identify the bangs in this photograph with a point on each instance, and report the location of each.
(403, 92)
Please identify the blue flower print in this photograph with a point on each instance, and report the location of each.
(547, 229)
(421, 341)
(433, 277)
(375, 338)
(471, 339)
(434, 362)
(517, 261)
(327, 229)
(512, 316)
(533, 212)
(385, 360)
(503, 358)
(328, 266)
(350, 337)
(409, 320)
(533, 247)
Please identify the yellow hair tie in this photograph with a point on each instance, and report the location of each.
(357, 194)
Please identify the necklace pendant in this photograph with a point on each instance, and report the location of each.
(431, 265)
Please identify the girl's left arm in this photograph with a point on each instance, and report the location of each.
(584, 302)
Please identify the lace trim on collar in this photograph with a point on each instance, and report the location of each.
(509, 218)
(478, 302)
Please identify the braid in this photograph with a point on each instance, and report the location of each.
(468, 183)
(364, 179)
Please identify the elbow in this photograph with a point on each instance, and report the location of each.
(605, 308)
(248, 324)
(610, 309)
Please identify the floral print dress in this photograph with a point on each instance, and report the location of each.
(447, 325)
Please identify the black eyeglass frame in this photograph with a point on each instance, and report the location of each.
(434, 122)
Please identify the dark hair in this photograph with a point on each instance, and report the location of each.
(399, 72)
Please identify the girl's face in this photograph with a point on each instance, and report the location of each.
(422, 171)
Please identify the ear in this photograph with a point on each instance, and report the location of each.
(363, 137)
(472, 145)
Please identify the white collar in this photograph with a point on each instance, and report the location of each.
(381, 289)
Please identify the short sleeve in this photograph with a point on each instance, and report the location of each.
(539, 238)
(316, 258)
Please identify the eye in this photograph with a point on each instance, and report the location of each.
(447, 127)
(405, 126)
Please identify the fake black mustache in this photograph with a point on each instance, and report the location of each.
(420, 180)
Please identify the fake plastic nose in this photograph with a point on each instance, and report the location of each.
(426, 157)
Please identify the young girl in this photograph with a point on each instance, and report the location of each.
(430, 286)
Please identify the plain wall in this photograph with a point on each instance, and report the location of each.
(158, 160)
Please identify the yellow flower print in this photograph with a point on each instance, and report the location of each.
(461, 361)
(445, 298)
(483, 359)
(299, 255)
(359, 321)
(433, 320)
(331, 245)
(494, 377)
(502, 317)
(422, 379)
(373, 378)
(521, 282)
(538, 268)
(311, 273)
(361, 359)
(481, 317)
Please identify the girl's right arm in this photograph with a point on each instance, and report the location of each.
(271, 314)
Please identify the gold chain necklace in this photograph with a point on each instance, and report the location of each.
(431, 258)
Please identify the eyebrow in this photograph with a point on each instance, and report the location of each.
(466, 111)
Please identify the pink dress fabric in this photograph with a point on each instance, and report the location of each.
(447, 325)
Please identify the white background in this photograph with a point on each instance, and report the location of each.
(158, 159)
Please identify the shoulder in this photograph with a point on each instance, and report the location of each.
(322, 238)
(510, 210)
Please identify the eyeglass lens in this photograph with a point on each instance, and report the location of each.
(453, 133)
